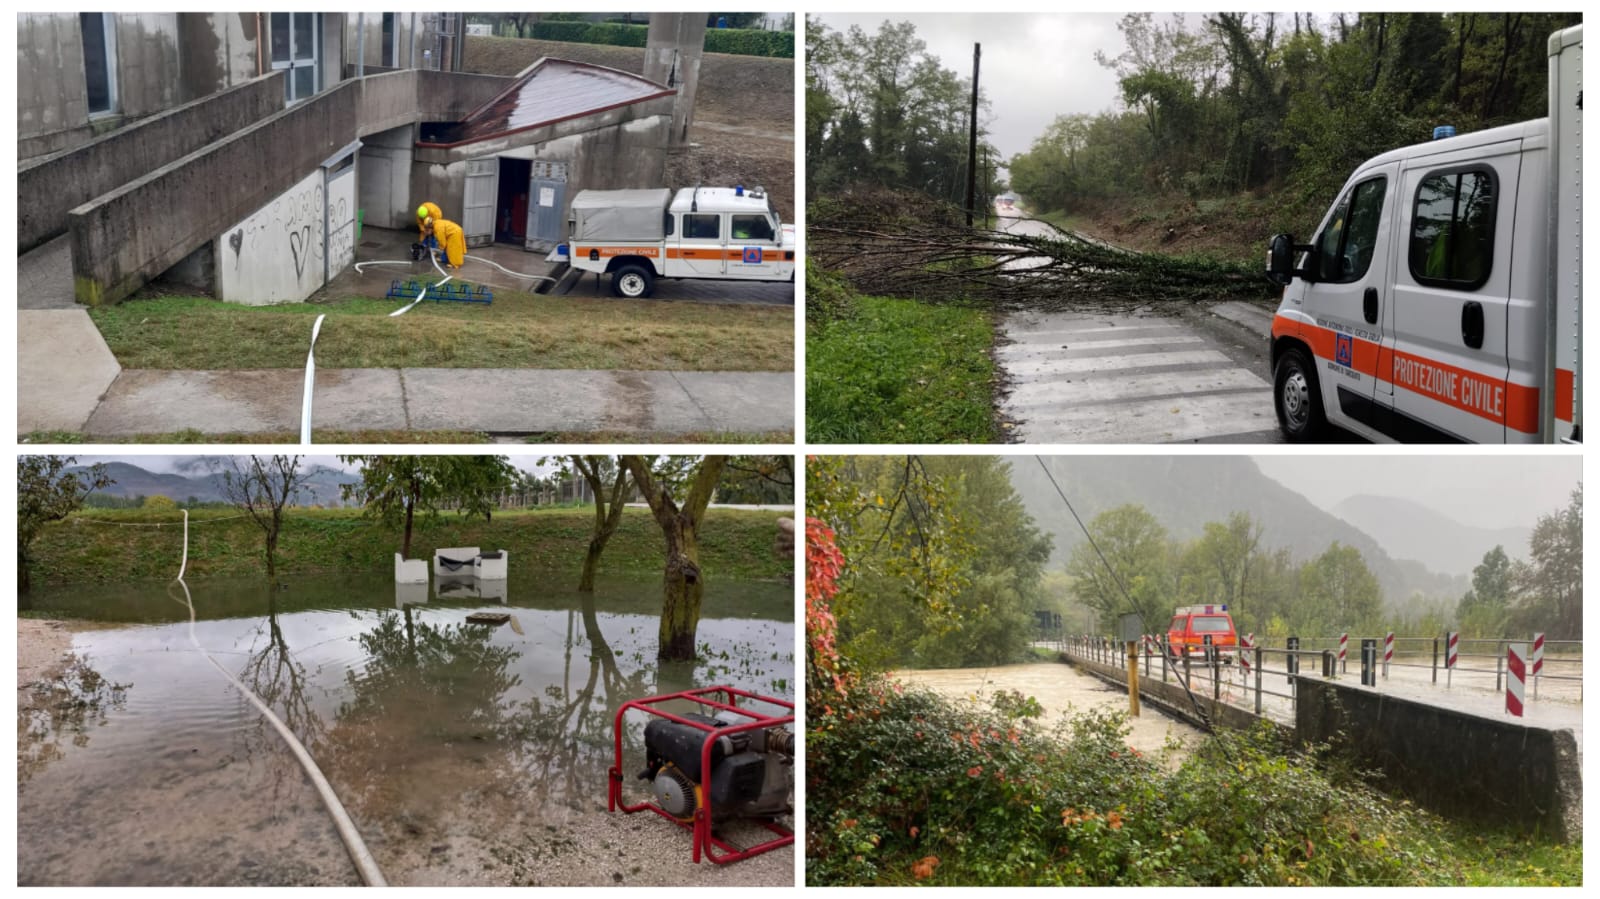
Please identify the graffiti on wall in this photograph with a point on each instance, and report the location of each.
(277, 252)
(341, 222)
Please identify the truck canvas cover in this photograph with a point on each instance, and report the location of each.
(620, 214)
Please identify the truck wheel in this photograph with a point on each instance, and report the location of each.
(1298, 398)
(633, 281)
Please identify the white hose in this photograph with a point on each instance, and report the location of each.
(305, 408)
(383, 262)
(509, 271)
(424, 292)
(359, 854)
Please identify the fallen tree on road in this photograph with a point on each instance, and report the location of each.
(888, 248)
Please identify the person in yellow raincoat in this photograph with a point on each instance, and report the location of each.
(424, 212)
(450, 237)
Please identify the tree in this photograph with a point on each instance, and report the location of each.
(48, 491)
(683, 583)
(758, 480)
(1483, 610)
(1225, 555)
(262, 488)
(159, 503)
(1338, 591)
(394, 489)
(1550, 585)
(1133, 576)
(608, 506)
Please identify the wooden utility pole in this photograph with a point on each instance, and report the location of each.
(972, 139)
(1133, 678)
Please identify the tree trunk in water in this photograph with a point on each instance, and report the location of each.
(405, 547)
(684, 586)
(272, 555)
(24, 582)
(591, 561)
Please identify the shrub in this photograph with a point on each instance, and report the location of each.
(741, 41)
(905, 787)
(159, 503)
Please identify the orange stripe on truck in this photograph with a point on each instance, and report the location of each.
(1564, 395)
(1514, 405)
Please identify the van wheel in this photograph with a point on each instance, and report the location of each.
(1298, 398)
(633, 281)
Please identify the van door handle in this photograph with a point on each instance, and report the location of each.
(1472, 325)
(1369, 305)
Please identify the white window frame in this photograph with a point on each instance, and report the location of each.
(293, 63)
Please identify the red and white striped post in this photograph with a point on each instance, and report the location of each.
(1388, 652)
(1516, 677)
(1344, 643)
(1246, 644)
(1536, 664)
(1452, 639)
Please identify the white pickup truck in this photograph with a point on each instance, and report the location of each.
(637, 236)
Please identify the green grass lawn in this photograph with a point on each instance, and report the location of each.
(735, 543)
(900, 371)
(517, 331)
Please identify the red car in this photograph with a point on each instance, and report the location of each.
(1191, 626)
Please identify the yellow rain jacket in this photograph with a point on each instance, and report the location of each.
(452, 240)
(434, 213)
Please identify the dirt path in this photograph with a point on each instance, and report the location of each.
(1063, 692)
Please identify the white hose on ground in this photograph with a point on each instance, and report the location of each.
(305, 407)
(359, 854)
(509, 271)
(358, 265)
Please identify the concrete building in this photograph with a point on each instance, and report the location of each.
(240, 151)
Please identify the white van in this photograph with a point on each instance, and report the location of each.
(718, 233)
(1440, 300)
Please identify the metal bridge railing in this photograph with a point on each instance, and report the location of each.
(1237, 675)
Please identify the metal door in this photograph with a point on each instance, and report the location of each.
(547, 198)
(483, 188)
(1350, 260)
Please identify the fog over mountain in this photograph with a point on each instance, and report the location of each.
(1412, 530)
(1186, 492)
(320, 484)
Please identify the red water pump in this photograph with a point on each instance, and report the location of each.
(715, 765)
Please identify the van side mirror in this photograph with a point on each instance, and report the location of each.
(1280, 260)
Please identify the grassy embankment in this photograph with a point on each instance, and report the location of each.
(734, 543)
(517, 331)
(906, 787)
(885, 370)
(325, 436)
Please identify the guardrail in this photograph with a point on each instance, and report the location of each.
(1238, 675)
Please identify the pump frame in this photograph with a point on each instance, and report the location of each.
(705, 842)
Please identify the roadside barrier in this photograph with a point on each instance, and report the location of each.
(1538, 661)
(1344, 643)
(1516, 677)
(1388, 651)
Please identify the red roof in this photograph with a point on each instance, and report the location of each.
(553, 91)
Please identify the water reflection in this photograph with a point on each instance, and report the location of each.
(453, 745)
(62, 709)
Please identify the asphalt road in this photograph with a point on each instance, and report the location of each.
(1197, 373)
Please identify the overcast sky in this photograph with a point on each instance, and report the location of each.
(1035, 66)
(1487, 491)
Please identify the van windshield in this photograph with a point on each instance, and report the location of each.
(1211, 625)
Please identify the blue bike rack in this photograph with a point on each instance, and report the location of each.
(452, 292)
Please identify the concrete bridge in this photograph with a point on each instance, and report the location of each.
(1450, 748)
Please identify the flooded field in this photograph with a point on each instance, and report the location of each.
(465, 753)
(1063, 692)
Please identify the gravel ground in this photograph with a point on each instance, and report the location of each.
(41, 649)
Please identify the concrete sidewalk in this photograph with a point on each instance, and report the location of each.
(495, 401)
(63, 368)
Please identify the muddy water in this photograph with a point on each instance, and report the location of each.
(465, 753)
(1063, 692)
